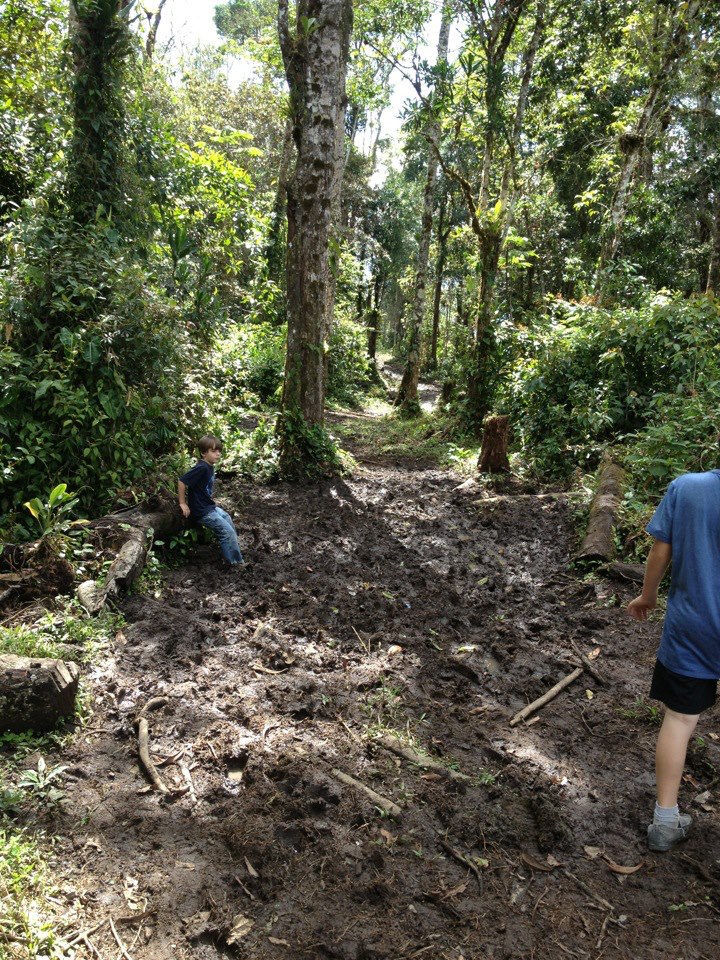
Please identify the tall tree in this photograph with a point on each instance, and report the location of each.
(408, 390)
(315, 55)
(671, 40)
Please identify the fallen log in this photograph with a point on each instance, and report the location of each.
(599, 543)
(546, 697)
(131, 532)
(635, 572)
(36, 693)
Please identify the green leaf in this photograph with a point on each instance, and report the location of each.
(92, 352)
(57, 493)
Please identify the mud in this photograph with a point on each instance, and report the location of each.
(387, 602)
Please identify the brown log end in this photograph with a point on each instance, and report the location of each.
(35, 693)
(493, 453)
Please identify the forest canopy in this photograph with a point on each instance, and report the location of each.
(539, 231)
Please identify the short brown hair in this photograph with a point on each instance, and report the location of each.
(209, 442)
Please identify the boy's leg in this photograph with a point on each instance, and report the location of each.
(222, 526)
(671, 750)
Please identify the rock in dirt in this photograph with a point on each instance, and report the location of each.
(36, 693)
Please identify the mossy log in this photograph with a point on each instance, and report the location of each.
(599, 542)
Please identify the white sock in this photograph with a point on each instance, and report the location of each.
(667, 816)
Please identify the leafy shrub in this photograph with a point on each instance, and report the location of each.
(348, 363)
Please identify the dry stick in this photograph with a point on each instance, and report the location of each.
(603, 931)
(583, 886)
(187, 777)
(589, 665)
(387, 805)
(119, 942)
(546, 697)
(456, 855)
(424, 762)
(81, 934)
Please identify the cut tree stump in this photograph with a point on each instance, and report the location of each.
(36, 693)
(599, 542)
(131, 533)
(493, 453)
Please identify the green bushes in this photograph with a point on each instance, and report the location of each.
(648, 376)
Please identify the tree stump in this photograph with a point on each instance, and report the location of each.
(493, 453)
(36, 693)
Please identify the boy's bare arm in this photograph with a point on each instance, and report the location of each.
(182, 494)
(657, 563)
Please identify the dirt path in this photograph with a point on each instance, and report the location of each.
(390, 602)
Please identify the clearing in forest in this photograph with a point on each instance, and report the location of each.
(390, 626)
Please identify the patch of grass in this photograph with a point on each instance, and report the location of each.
(26, 925)
(427, 437)
(643, 712)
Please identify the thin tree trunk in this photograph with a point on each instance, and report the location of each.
(315, 65)
(443, 235)
(634, 143)
(408, 390)
(152, 33)
(275, 250)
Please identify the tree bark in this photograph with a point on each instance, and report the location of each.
(275, 251)
(315, 57)
(442, 235)
(408, 391)
(494, 451)
(599, 544)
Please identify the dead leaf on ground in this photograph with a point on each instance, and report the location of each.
(619, 868)
(534, 864)
(593, 852)
(278, 943)
(456, 890)
(241, 928)
(394, 650)
(251, 869)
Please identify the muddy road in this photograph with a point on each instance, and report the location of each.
(388, 608)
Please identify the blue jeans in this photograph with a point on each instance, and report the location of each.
(222, 526)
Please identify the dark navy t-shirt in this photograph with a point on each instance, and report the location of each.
(199, 481)
(688, 518)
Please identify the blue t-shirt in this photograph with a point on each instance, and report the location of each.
(688, 518)
(199, 481)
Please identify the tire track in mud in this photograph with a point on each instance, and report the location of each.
(390, 602)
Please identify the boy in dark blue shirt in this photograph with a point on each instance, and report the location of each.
(686, 528)
(195, 495)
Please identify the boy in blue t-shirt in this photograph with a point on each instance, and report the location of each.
(686, 528)
(195, 495)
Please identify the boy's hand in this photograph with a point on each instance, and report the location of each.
(185, 510)
(640, 607)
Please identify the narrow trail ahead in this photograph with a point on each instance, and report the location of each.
(388, 603)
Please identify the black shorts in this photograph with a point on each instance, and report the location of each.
(682, 694)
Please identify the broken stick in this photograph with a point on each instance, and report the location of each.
(419, 759)
(546, 697)
(392, 809)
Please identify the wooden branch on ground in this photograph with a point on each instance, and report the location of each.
(392, 809)
(456, 855)
(546, 697)
(144, 743)
(588, 665)
(599, 542)
(635, 572)
(419, 759)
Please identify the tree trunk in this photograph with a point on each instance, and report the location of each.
(713, 276)
(408, 390)
(315, 58)
(152, 32)
(443, 235)
(494, 451)
(635, 142)
(100, 43)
